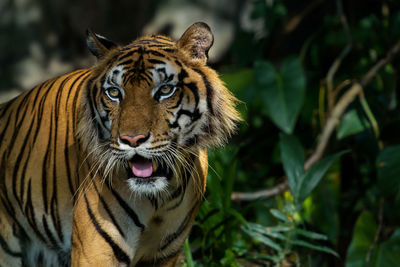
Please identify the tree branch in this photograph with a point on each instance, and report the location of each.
(338, 61)
(266, 193)
(331, 123)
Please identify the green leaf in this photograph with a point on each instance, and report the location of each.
(238, 216)
(389, 252)
(274, 258)
(276, 235)
(314, 247)
(280, 215)
(188, 254)
(363, 236)
(313, 176)
(388, 164)
(384, 254)
(263, 239)
(283, 93)
(267, 231)
(309, 234)
(238, 80)
(351, 124)
(229, 179)
(262, 228)
(229, 259)
(292, 154)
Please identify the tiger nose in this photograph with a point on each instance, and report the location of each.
(134, 141)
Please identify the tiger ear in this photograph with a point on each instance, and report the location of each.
(197, 40)
(98, 45)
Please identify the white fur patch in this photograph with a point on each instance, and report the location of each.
(160, 184)
(160, 74)
(114, 79)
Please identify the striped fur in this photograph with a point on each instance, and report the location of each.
(67, 192)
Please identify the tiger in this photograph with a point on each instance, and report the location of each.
(107, 166)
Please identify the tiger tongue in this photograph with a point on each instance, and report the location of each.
(142, 168)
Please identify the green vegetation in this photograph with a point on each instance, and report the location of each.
(313, 82)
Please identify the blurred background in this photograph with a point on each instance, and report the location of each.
(292, 65)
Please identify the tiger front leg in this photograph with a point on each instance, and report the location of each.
(96, 236)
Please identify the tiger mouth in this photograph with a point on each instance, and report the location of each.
(147, 170)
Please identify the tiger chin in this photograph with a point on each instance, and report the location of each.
(107, 166)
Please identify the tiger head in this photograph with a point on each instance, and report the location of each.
(153, 103)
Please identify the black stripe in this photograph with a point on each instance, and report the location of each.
(45, 166)
(5, 129)
(153, 52)
(132, 214)
(149, 79)
(128, 54)
(178, 203)
(193, 88)
(66, 145)
(72, 86)
(153, 43)
(209, 90)
(157, 147)
(193, 140)
(154, 201)
(21, 109)
(42, 103)
(169, 50)
(109, 211)
(7, 249)
(7, 204)
(178, 63)
(163, 38)
(118, 252)
(54, 203)
(126, 62)
(173, 125)
(54, 214)
(4, 196)
(30, 213)
(156, 61)
(184, 224)
(18, 163)
(101, 125)
(48, 233)
(67, 165)
(194, 116)
(180, 192)
(92, 106)
(178, 102)
(39, 90)
(33, 142)
(75, 100)
(159, 45)
(17, 127)
(4, 106)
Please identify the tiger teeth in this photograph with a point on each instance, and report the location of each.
(154, 166)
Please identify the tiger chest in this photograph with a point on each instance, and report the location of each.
(167, 225)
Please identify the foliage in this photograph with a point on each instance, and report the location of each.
(344, 209)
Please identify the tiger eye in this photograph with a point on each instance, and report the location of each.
(165, 89)
(113, 92)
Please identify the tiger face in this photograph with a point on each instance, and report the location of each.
(154, 104)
